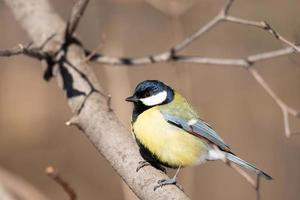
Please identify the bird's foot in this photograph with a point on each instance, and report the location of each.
(142, 164)
(164, 182)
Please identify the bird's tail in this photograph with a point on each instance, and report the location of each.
(247, 165)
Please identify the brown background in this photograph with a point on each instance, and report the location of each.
(33, 112)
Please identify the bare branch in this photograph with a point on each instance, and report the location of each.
(257, 187)
(269, 55)
(26, 50)
(77, 12)
(263, 25)
(186, 42)
(249, 60)
(219, 17)
(54, 174)
(96, 121)
(13, 51)
(286, 110)
(227, 7)
(95, 118)
(243, 173)
(109, 103)
(170, 55)
(13, 187)
(255, 184)
(173, 56)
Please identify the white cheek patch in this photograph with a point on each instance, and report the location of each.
(155, 99)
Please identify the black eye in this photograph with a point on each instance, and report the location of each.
(147, 94)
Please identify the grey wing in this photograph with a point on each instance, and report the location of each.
(197, 128)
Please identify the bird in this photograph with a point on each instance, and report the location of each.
(170, 134)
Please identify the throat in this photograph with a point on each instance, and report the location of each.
(138, 109)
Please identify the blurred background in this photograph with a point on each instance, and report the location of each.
(33, 112)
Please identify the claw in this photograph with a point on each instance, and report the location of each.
(164, 170)
(163, 182)
(142, 164)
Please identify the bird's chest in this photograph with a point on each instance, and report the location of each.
(168, 143)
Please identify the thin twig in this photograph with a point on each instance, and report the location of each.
(12, 52)
(77, 12)
(257, 187)
(263, 25)
(96, 122)
(94, 52)
(248, 62)
(286, 110)
(54, 174)
(171, 54)
(243, 173)
(218, 18)
(42, 46)
(109, 103)
(27, 50)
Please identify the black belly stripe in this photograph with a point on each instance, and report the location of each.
(152, 158)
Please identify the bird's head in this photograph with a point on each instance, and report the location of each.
(151, 93)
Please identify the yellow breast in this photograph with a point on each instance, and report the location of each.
(169, 143)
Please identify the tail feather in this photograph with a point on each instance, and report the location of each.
(247, 165)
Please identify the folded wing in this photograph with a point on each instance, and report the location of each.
(197, 128)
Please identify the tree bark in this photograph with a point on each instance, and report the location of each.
(13, 187)
(100, 125)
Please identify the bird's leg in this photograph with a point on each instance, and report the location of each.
(171, 181)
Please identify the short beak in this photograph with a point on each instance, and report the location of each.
(132, 98)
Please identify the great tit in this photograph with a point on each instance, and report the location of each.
(170, 134)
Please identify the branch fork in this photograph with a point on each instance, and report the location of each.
(97, 121)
